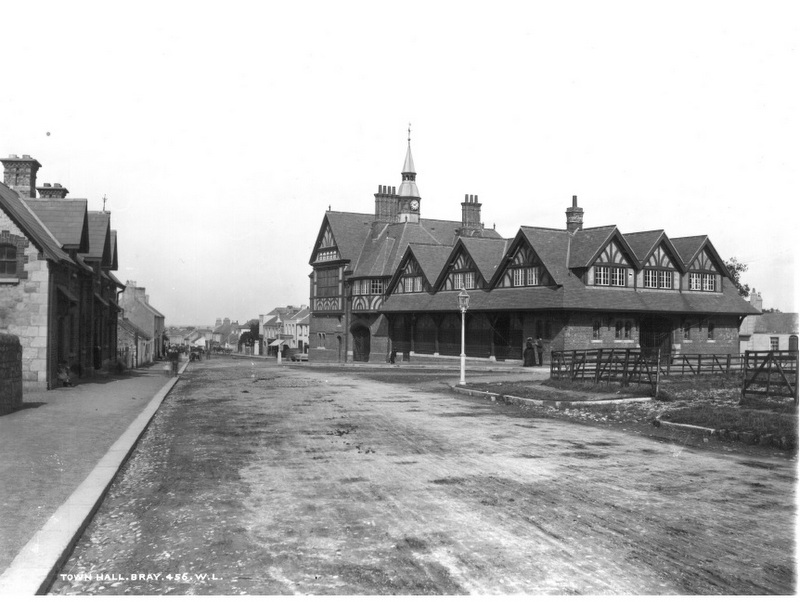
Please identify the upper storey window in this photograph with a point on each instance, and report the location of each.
(611, 268)
(659, 271)
(327, 282)
(703, 275)
(463, 274)
(411, 280)
(327, 254)
(412, 284)
(524, 269)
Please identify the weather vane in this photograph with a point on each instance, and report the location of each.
(104, 202)
(409, 131)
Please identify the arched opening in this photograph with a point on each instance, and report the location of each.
(655, 333)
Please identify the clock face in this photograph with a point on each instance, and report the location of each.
(414, 205)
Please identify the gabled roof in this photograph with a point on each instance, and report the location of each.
(126, 324)
(99, 238)
(66, 219)
(552, 247)
(689, 247)
(587, 244)
(644, 244)
(486, 253)
(114, 260)
(349, 231)
(30, 224)
(381, 254)
(430, 258)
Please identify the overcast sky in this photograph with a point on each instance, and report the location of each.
(221, 131)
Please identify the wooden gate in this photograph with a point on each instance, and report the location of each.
(771, 373)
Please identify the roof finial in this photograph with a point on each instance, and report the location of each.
(104, 202)
(409, 132)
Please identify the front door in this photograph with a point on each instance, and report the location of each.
(655, 333)
(361, 344)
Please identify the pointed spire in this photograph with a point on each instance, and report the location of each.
(408, 165)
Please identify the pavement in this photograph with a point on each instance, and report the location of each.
(59, 454)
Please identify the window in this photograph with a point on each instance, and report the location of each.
(8, 260)
(605, 276)
(774, 343)
(711, 331)
(657, 278)
(458, 281)
(533, 276)
(327, 283)
(628, 330)
(695, 281)
(601, 275)
(618, 330)
(519, 277)
(665, 279)
(596, 329)
(525, 276)
(412, 284)
(327, 255)
(651, 279)
(617, 276)
(708, 282)
(376, 287)
(469, 280)
(687, 332)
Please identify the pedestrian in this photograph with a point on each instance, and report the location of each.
(64, 376)
(393, 356)
(528, 356)
(173, 358)
(539, 349)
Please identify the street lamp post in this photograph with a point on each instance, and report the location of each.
(278, 337)
(463, 304)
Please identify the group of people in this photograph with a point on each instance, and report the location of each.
(533, 352)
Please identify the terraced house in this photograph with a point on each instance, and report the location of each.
(389, 280)
(57, 289)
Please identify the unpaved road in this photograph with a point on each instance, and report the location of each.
(265, 479)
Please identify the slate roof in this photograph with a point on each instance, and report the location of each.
(688, 246)
(133, 329)
(552, 247)
(26, 220)
(66, 219)
(487, 253)
(99, 237)
(585, 244)
(643, 243)
(776, 323)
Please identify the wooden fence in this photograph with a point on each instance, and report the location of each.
(703, 363)
(599, 365)
(771, 373)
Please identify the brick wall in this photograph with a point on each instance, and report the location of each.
(24, 311)
(10, 373)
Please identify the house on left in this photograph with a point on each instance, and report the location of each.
(58, 293)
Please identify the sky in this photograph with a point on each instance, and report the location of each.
(220, 133)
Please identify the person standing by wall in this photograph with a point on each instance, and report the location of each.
(529, 355)
(539, 349)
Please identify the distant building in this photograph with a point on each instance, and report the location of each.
(389, 281)
(135, 302)
(773, 331)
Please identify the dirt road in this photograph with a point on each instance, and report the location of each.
(264, 479)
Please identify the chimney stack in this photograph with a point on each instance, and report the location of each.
(56, 191)
(386, 204)
(756, 300)
(471, 213)
(574, 216)
(20, 174)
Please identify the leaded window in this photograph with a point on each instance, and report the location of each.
(601, 276)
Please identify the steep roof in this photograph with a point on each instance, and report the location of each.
(552, 247)
(689, 246)
(587, 243)
(66, 219)
(487, 253)
(643, 243)
(27, 221)
(99, 237)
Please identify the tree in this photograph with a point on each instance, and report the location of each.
(736, 269)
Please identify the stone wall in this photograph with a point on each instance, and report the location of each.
(10, 373)
(24, 310)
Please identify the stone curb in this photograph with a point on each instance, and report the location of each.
(36, 565)
(543, 402)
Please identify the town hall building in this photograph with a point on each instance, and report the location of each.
(388, 281)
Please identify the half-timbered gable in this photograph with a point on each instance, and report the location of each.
(661, 265)
(613, 264)
(704, 269)
(523, 268)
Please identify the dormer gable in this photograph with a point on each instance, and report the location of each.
(326, 248)
(613, 264)
(521, 267)
(460, 271)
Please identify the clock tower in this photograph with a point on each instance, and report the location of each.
(408, 194)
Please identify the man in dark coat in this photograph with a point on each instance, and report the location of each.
(539, 349)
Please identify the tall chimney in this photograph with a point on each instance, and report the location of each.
(471, 213)
(386, 204)
(56, 191)
(574, 216)
(20, 174)
(756, 300)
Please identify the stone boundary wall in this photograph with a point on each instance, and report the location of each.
(10, 373)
